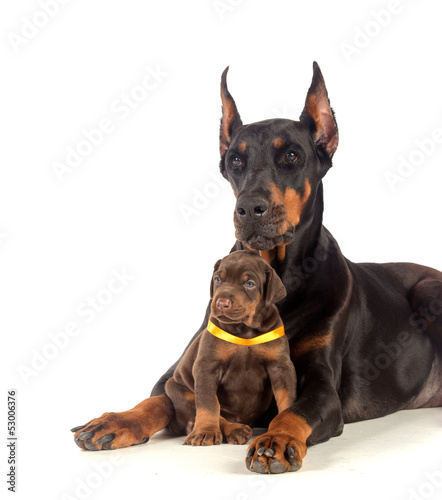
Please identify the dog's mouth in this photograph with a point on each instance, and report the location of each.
(229, 318)
(273, 220)
(264, 235)
(233, 316)
(260, 242)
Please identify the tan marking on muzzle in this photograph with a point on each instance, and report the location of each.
(293, 202)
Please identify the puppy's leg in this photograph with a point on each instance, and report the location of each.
(235, 433)
(184, 404)
(206, 431)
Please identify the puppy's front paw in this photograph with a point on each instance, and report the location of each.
(204, 437)
(237, 433)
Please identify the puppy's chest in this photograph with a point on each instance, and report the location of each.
(243, 366)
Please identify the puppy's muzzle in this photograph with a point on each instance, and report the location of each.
(223, 305)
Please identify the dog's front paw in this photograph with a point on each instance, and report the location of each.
(204, 436)
(274, 454)
(108, 432)
(126, 428)
(237, 433)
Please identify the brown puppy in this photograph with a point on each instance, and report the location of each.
(226, 378)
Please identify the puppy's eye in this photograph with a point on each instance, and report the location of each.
(249, 284)
(217, 280)
(291, 157)
(236, 162)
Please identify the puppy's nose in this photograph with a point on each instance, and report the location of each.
(223, 304)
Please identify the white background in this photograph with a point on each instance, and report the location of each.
(121, 208)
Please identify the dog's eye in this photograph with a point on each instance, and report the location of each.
(217, 280)
(249, 284)
(236, 162)
(291, 157)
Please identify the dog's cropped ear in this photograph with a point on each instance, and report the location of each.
(230, 120)
(274, 290)
(215, 268)
(319, 115)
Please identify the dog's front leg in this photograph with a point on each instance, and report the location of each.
(206, 430)
(282, 374)
(127, 428)
(315, 417)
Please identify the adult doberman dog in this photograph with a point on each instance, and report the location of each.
(366, 339)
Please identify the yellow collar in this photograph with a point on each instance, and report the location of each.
(261, 339)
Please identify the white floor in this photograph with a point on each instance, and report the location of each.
(398, 457)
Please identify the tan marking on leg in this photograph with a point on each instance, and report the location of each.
(206, 430)
(131, 426)
(311, 343)
(283, 399)
(286, 430)
(294, 425)
(206, 418)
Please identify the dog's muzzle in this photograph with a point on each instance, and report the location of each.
(259, 224)
(251, 208)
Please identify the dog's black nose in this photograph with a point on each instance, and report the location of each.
(251, 207)
(223, 304)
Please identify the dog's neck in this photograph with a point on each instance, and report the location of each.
(297, 261)
(307, 234)
(266, 318)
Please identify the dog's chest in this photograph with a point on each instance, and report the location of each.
(244, 391)
(244, 364)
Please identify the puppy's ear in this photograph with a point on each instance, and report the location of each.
(319, 116)
(274, 290)
(230, 120)
(215, 268)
